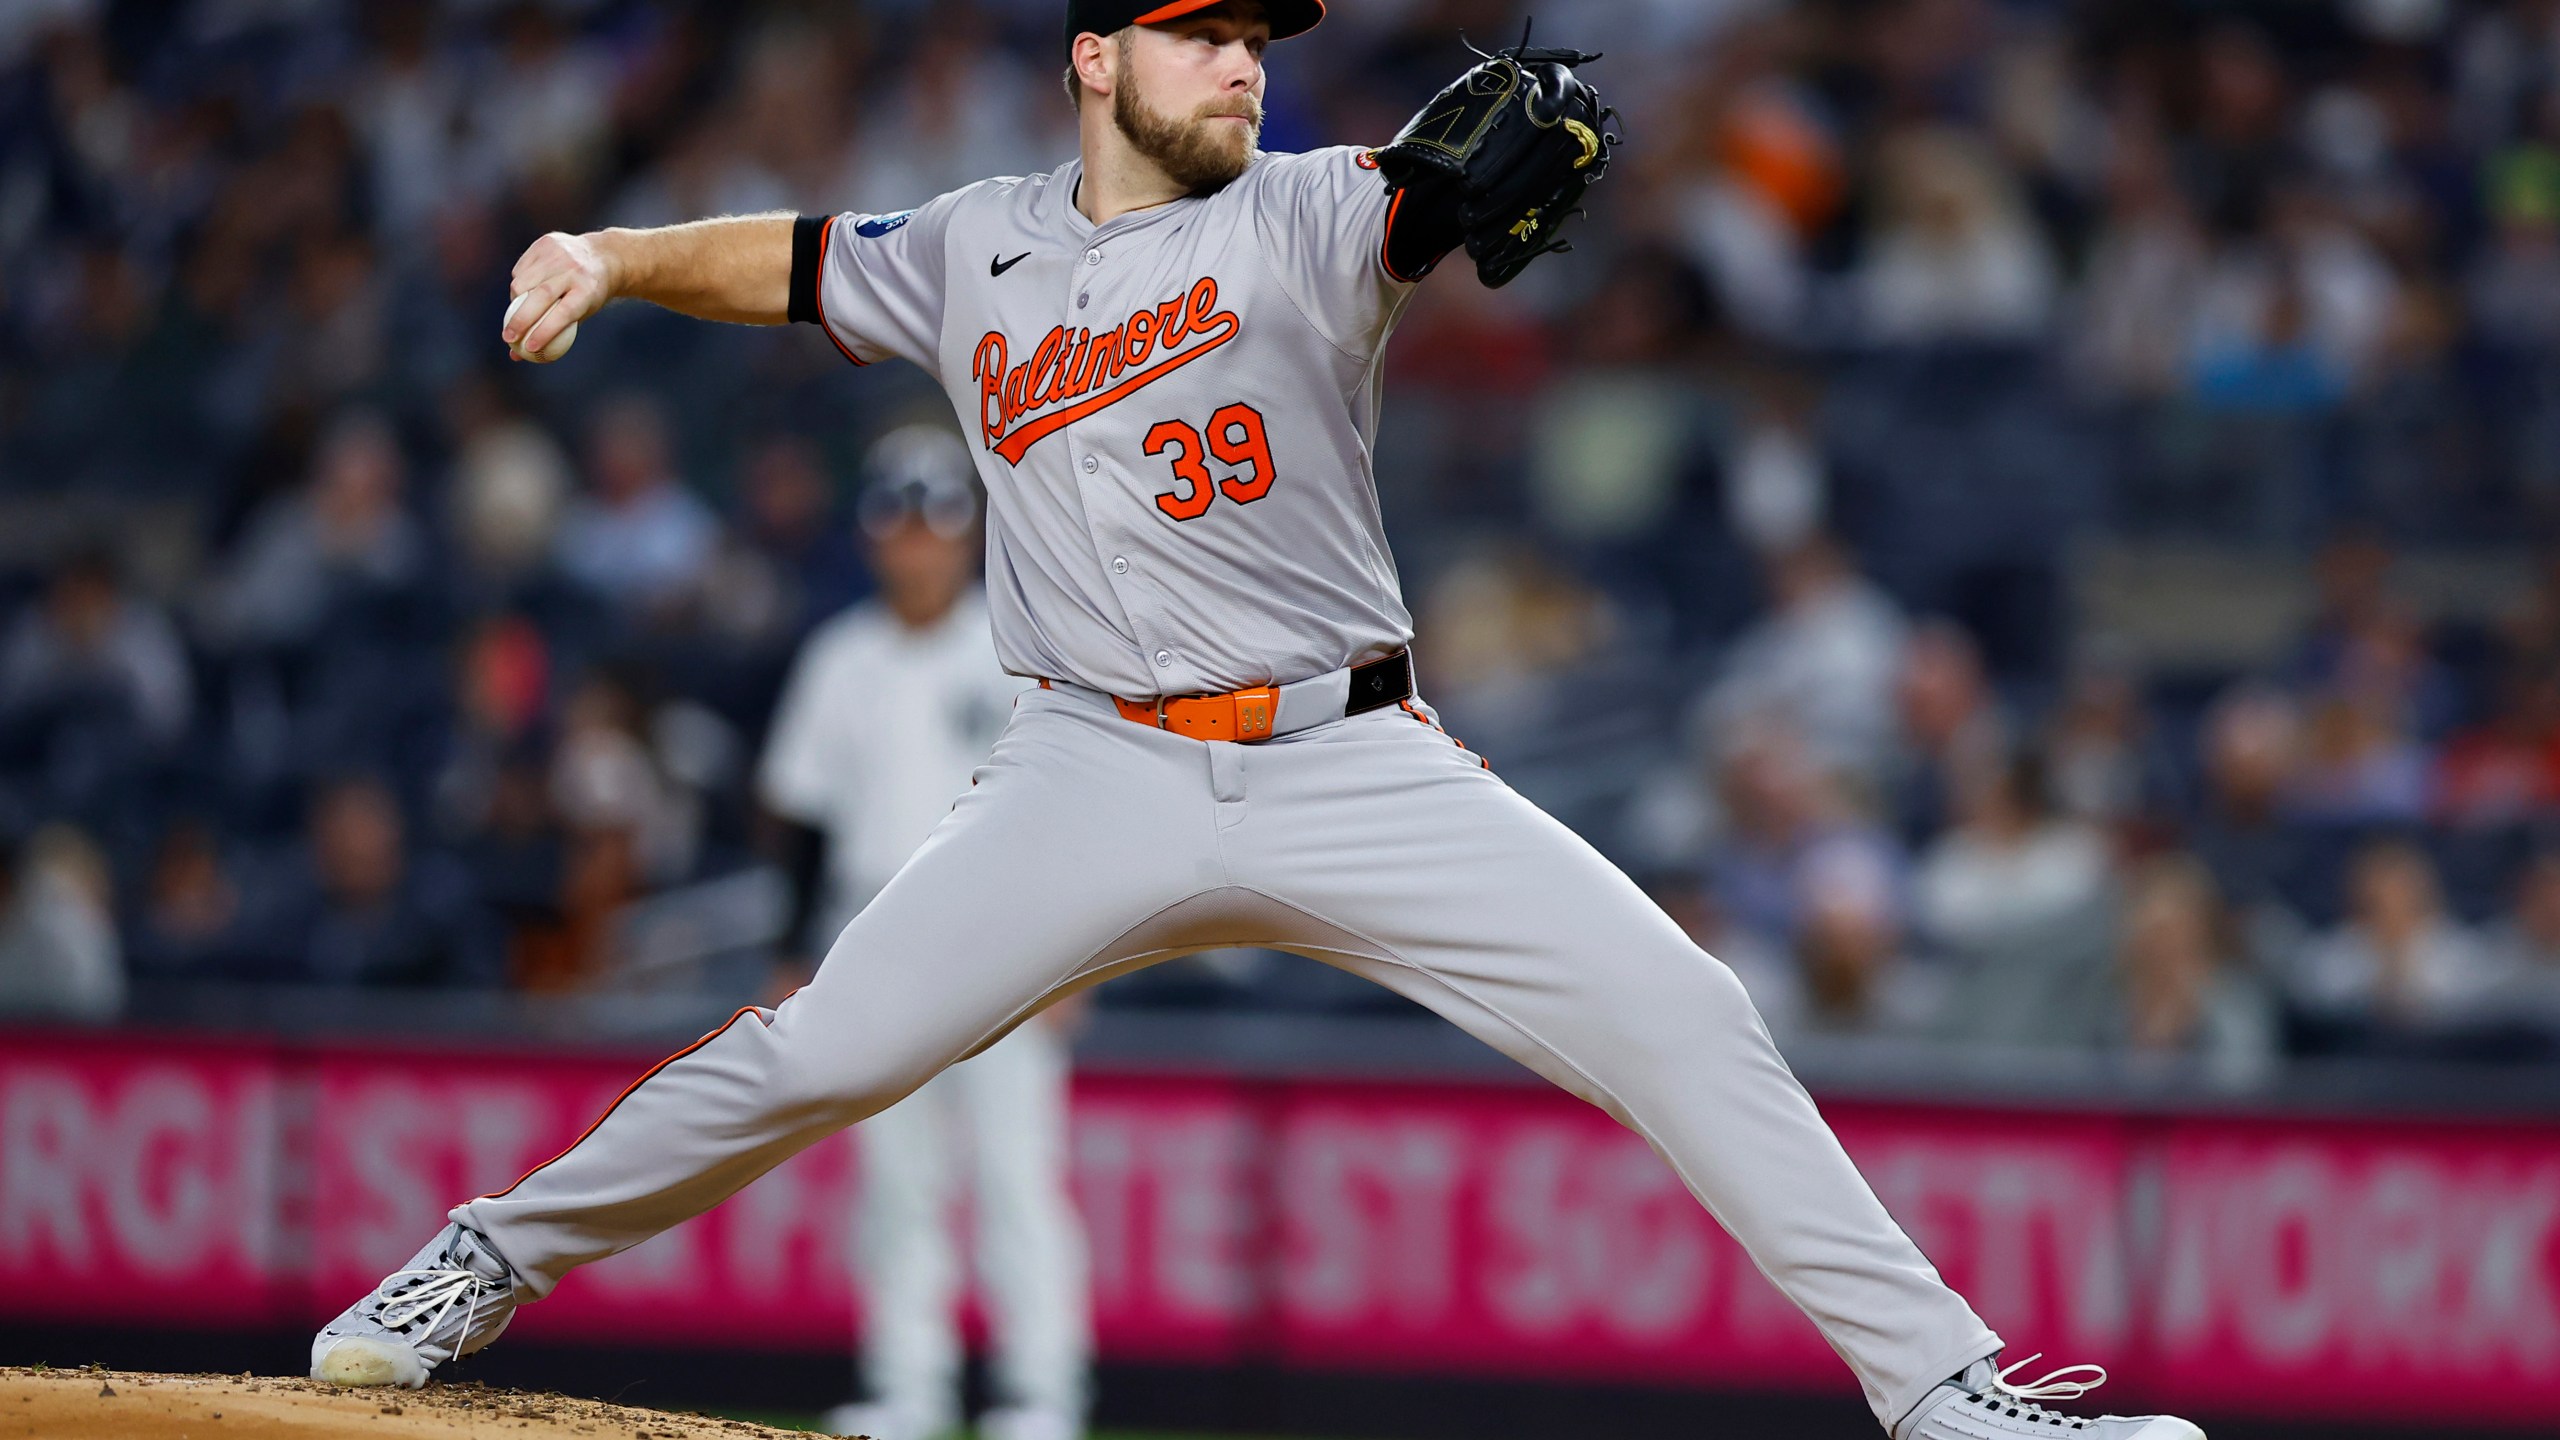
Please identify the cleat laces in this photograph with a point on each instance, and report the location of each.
(431, 1297)
(2019, 1400)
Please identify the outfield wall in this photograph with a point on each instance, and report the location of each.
(2292, 1268)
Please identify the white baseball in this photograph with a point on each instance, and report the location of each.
(558, 347)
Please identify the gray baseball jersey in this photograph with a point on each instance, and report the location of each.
(1173, 414)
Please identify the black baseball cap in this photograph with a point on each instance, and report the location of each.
(1103, 17)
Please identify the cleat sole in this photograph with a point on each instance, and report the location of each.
(359, 1363)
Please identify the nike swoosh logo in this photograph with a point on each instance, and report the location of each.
(998, 267)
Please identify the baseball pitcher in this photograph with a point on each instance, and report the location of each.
(1166, 356)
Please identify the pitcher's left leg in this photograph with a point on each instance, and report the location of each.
(1443, 883)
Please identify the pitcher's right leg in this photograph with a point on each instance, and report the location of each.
(1077, 830)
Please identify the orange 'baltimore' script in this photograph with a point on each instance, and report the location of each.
(1088, 371)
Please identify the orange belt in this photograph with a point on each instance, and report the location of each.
(1254, 713)
(1243, 715)
(1236, 715)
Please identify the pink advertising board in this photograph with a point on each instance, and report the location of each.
(142, 1178)
(2285, 1267)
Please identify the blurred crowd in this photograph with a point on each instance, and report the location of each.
(336, 650)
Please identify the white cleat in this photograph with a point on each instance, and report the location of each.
(452, 1298)
(1982, 1404)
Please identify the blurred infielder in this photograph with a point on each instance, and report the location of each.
(889, 708)
(1166, 353)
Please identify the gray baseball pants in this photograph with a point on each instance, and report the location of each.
(1088, 847)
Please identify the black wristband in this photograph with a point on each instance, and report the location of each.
(807, 264)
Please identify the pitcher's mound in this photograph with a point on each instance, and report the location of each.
(120, 1405)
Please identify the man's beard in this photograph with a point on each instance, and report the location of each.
(1198, 154)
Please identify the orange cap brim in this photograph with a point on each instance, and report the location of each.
(1288, 17)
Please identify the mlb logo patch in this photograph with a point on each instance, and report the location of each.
(875, 226)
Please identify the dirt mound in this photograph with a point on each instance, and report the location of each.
(119, 1405)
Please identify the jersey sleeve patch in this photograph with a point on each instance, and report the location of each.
(879, 280)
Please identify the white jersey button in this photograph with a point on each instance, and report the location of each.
(1164, 659)
(1091, 464)
(1119, 564)
(1093, 257)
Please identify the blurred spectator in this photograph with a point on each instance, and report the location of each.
(1822, 661)
(2358, 764)
(360, 908)
(2109, 766)
(1950, 726)
(510, 483)
(2524, 950)
(613, 789)
(518, 858)
(1956, 256)
(504, 686)
(702, 173)
(2362, 644)
(1793, 844)
(342, 543)
(2237, 141)
(2018, 898)
(546, 105)
(59, 958)
(408, 108)
(638, 537)
(1612, 436)
(1849, 950)
(1502, 627)
(2352, 572)
(1777, 486)
(336, 311)
(2293, 313)
(963, 110)
(2293, 324)
(93, 651)
(2400, 964)
(190, 923)
(2515, 281)
(2137, 301)
(793, 521)
(2181, 1000)
(1770, 174)
(2250, 739)
(2505, 770)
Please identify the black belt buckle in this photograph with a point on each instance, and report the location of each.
(1380, 683)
